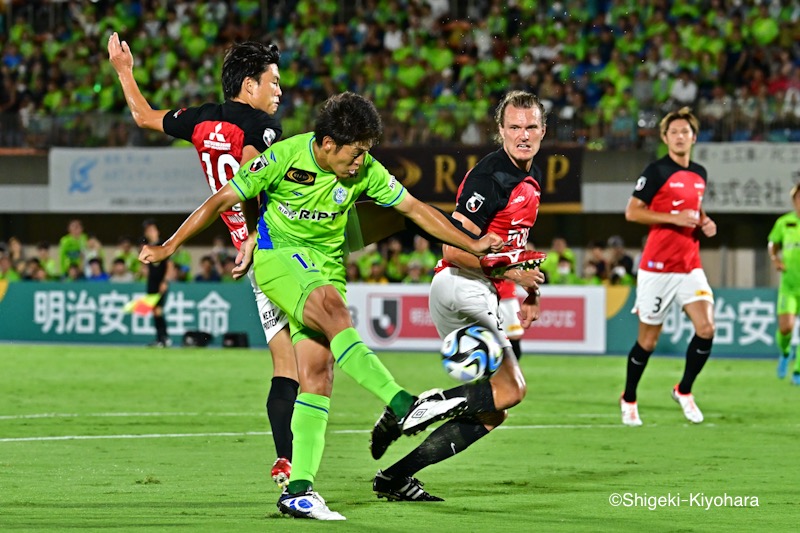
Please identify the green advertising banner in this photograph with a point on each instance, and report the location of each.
(745, 320)
(89, 312)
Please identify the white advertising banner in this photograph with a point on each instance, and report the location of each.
(396, 317)
(125, 180)
(749, 177)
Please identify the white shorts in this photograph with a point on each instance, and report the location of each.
(458, 300)
(273, 319)
(509, 311)
(655, 292)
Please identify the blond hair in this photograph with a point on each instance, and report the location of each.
(684, 113)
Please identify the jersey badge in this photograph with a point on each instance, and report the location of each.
(268, 137)
(303, 177)
(640, 183)
(259, 163)
(474, 203)
(339, 195)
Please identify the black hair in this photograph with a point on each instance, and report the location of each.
(348, 118)
(249, 59)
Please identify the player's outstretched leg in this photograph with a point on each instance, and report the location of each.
(452, 437)
(504, 390)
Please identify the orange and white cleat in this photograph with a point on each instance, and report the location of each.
(630, 413)
(495, 265)
(281, 470)
(690, 409)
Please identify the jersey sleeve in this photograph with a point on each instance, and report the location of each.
(263, 132)
(382, 186)
(776, 235)
(648, 184)
(180, 123)
(258, 175)
(478, 199)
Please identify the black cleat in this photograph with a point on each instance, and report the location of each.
(386, 431)
(402, 489)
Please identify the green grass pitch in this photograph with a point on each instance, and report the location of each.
(136, 439)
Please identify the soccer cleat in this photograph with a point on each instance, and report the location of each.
(796, 378)
(281, 470)
(308, 504)
(385, 432)
(405, 489)
(784, 362)
(495, 265)
(630, 413)
(690, 409)
(429, 408)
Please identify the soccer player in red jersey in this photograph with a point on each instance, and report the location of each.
(668, 197)
(226, 135)
(500, 194)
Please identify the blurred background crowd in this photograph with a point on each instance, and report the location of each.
(605, 69)
(406, 258)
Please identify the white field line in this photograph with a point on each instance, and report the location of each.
(110, 415)
(262, 433)
(189, 414)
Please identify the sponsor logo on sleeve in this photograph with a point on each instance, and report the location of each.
(474, 203)
(269, 136)
(259, 163)
(178, 112)
(392, 182)
(640, 183)
(303, 177)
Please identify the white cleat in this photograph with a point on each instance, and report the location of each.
(430, 408)
(630, 413)
(690, 409)
(307, 505)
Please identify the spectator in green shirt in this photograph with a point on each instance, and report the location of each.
(72, 246)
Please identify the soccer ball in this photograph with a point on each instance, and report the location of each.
(471, 354)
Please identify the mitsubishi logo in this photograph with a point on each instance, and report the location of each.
(216, 135)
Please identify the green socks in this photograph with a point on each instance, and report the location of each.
(309, 421)
(784, 342)
(360, 363)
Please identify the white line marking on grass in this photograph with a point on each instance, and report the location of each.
(109, 415)
(263, 433)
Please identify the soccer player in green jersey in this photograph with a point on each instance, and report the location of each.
(784, 251)
(308, 184)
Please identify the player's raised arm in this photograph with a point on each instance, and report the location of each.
(199, 220)
(437, 224)
(119, 54)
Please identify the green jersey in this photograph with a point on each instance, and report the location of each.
(786, 233)
(305, 205)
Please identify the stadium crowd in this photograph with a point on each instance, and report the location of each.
(80, 256)
(605, 69)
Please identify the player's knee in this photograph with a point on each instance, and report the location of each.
(494, 419)
(706, 330)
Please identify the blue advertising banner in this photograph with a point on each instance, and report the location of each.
(89, 312)
(745, 320)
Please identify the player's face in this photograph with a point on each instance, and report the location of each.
(679, 137)
(266, 94)
(344, 161)
(522, 133)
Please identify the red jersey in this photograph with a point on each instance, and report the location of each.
(498, 197)
(667, 187)
(219, 133)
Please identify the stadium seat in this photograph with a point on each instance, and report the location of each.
(741, 136)
(705, 136)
